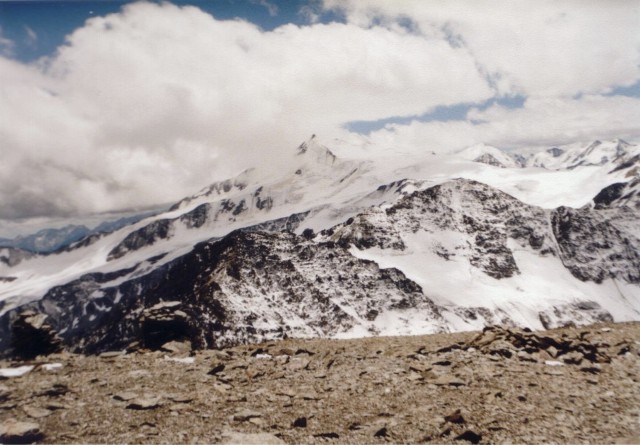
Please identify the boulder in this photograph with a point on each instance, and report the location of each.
(33, 336)
(13, 431)
(163, 323)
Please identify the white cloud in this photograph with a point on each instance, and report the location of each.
(542, 48)
(6, 45)
(32, 36)
(271, 8)
(153, 103)
(540, 123)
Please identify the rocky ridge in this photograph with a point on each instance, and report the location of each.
(251, 285)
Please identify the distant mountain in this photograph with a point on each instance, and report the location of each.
(490, 155)
(597, 153)
(113, 225)
(47, 240)
(51, 240)
(330, 246)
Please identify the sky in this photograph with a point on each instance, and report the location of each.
(111, 105)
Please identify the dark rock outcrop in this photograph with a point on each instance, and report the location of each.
(33, 336)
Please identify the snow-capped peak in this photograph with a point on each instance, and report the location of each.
(312, 149)
(488, 154)
(595, 153)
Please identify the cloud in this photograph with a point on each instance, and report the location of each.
(6, 45)
(540, 123)
(272, 9)
(150, 104)
(542, 48)
(32, 36)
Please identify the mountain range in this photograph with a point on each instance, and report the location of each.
(340, 246)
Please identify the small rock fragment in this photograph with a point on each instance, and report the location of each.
(525, 357)
(177, 347)
(286, 392)
(217, 369)
(304, 351)
(53, 406)
(455, 417)
(251, 439)
(35, 412)
(573, 358)
(144, 403)
(111, 354)
(286, 351)
(448, 380)
(4, 393)
(244, 415)
(308, 396)
(184, 360)
(13, 431)
(181, 398)
(56, 390)
(298, 364)
(330, 435)
(300, 422)
(469, 436)
(382, 432)
(124, 396)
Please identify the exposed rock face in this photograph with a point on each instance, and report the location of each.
(620, 195)
(12, 256)
(555, 152)
(592, 244)
(573, 314)
(243, 288)
(216, 189)
(200, 216)
(600, 244)
(484, 217)
(489, 159)
(609, 194)
(145, 236)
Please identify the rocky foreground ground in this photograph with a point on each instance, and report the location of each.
(571, 385)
